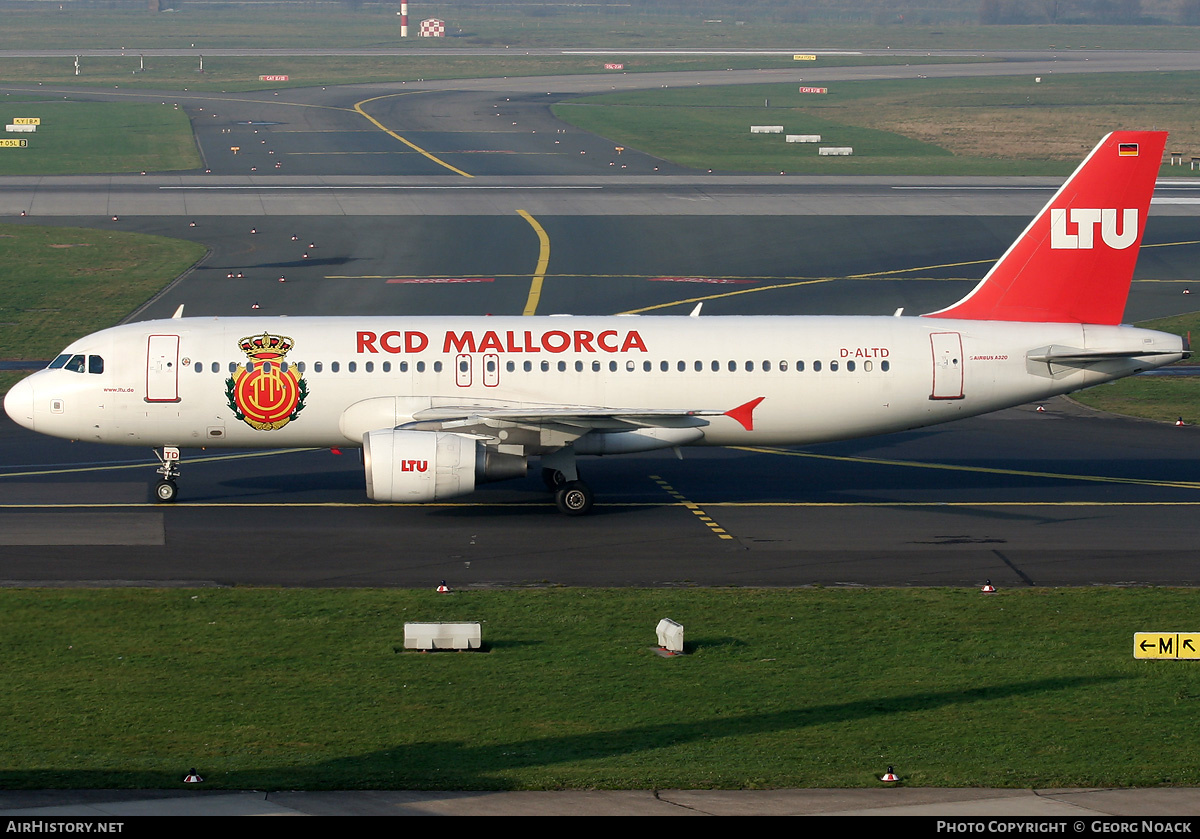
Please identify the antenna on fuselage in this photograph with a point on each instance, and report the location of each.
(695, 313)
(178, 312)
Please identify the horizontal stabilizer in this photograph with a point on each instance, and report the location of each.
(1068, 355)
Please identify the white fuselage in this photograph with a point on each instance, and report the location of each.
(169, 382)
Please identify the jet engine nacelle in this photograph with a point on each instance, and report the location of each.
(403, 465)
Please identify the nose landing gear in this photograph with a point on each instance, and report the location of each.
(166, 490)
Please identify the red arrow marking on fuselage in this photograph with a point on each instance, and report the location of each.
(744, 414)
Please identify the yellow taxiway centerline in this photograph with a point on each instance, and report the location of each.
(410, 144)
(539, 273)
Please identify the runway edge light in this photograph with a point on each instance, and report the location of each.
(193, 777)
(890, 776)
(670, 636)
(988, 588)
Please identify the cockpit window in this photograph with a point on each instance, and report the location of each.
(95, 364)
(75, 365)
(59, 362)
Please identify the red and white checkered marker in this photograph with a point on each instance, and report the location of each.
(988, 588)
(889, 777)
(193, 777)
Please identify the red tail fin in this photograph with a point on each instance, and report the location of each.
(1074, 262)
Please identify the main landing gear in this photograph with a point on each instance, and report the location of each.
(166, 490)
(572, 496)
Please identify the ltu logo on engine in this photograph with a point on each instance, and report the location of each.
(414, 465)
(1085, 221)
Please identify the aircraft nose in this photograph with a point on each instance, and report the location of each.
(18, 403)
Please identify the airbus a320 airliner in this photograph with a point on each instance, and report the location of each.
(441, 404)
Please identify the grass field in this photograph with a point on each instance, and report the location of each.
(99, 137)
(996, 126)
(61, 283)
(297, 689)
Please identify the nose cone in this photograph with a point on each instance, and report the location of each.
(18, 403)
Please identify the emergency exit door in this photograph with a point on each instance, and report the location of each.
(947, 365)
(162, 368)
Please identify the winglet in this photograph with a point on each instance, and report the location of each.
(1074, 262)
(744, 414)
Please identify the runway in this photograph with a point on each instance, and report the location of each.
(411, 202)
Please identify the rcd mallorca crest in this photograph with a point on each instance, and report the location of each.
(266, 393)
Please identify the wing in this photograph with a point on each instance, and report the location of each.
(583, 417)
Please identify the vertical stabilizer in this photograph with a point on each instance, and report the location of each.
(1075, 260)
